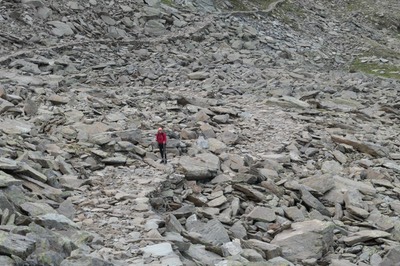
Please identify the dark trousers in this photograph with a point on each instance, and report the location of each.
(163, 151)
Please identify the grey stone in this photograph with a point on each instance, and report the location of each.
(321, 184)
(294, 214)
(363, 236)
(316, 238)
(155, 28)
(60, 29)
(115, 160)
(6, 261)
(217, 201)
(262, 214)
(270, 250)
(158, 250)
(216, 146)
(57, 221)
(57, 99)
(208, 131)
(31, 172)
(15, 127)
(37, 208)
(13, 244)
(85, 260)
(252, 255)
(67, 209)
(198, 75)
(331, 167)
(392, 258)
(202, 166)
(313, 202)
(366, 147)
(199, 253)
(5, 105)
(346, 184)
(7, 180)
(212, 232)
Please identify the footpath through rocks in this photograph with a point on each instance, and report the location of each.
(282, 120)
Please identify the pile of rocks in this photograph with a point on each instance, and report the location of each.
(277, 154)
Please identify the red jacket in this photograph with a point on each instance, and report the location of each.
(161, 138)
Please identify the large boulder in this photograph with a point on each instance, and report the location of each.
(203, 166)
(305, 240)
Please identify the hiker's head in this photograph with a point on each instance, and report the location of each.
(159, 129)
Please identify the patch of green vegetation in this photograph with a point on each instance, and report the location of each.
(293, 9)
(374, 68)
(239, 5)
(262, 4)
(168, 2)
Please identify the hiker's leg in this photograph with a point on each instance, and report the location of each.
(161, 147)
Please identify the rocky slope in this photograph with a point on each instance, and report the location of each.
(282, 118)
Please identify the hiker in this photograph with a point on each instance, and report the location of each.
(161, 139)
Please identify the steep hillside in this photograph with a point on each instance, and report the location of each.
(282, 120)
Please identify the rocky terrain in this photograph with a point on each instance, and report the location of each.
(282, 119)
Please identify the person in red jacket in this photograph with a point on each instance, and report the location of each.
(161, 139)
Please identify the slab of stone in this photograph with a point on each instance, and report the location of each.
(392, 165)
(278, 261)
(270, 250)
(37, 208)
(6, 261)
(313, 202)
(173, 224)
(200, 75)
(305, 240)
(117, 160)
(217, 201)
(294, 214)
(60, 29)
(15, 127)
(33, 173)
(57, 221)
(158, 250)
(208, 131)
(238, 230)
(366, 147)
(5, 105)
(203, 166)
(57, 99)
(346, 184)
(392, 258)
(212, 232)
(72, 181)
(251, 255)
(381, 221)
(199, 253)
(358, 212)
(7, 180)
(332, 167)
(13, 244)
(250, 192)
(262, 214)
(363, 236)
(353, 197)
(184, 211)
(216, 146)
(320, 184)
(67, 209)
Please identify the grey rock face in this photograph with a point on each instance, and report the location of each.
(16, 244)
(316, 238)
(274, 131)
